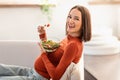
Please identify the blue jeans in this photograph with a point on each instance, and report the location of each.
(13, 72)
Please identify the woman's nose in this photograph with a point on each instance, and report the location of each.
(71, 21)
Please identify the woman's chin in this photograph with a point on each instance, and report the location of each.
(70, 31)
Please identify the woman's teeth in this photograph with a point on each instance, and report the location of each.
(71, 26)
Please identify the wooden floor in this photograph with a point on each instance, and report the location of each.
(88, 76)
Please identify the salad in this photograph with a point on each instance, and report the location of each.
(50, 46)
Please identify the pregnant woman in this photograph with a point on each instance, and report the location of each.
(56, 64)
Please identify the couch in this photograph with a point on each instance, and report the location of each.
(23, 53)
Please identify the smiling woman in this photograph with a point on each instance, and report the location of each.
(71, 45)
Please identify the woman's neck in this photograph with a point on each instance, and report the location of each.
(74, 34)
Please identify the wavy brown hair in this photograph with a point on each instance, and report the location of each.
(86, 23)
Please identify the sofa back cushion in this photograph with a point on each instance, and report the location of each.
(21, 53)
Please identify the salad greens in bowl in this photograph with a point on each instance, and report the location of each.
(50, 45)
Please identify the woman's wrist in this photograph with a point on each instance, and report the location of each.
(43, 37)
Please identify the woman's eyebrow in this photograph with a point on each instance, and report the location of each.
(69, 14)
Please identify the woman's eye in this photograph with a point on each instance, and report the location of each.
(77, 19)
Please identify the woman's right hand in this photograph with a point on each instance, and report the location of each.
(41, 29)
(42, 33)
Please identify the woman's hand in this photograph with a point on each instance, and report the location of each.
(41, 48)
(42, 33)
(41, 29)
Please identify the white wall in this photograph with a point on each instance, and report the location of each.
(106, 16)
(20, 23)
(118, 23)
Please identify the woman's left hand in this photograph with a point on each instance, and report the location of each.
(41, 48)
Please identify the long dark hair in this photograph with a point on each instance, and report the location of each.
(86, 23)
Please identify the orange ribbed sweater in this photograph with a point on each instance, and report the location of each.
(53, 65)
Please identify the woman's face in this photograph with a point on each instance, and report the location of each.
(74, 22)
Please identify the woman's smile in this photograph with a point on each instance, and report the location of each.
(71, 26)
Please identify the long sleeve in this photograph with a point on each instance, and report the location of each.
(71, 51)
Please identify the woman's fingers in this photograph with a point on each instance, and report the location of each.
(41, 47)
(41, 29)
